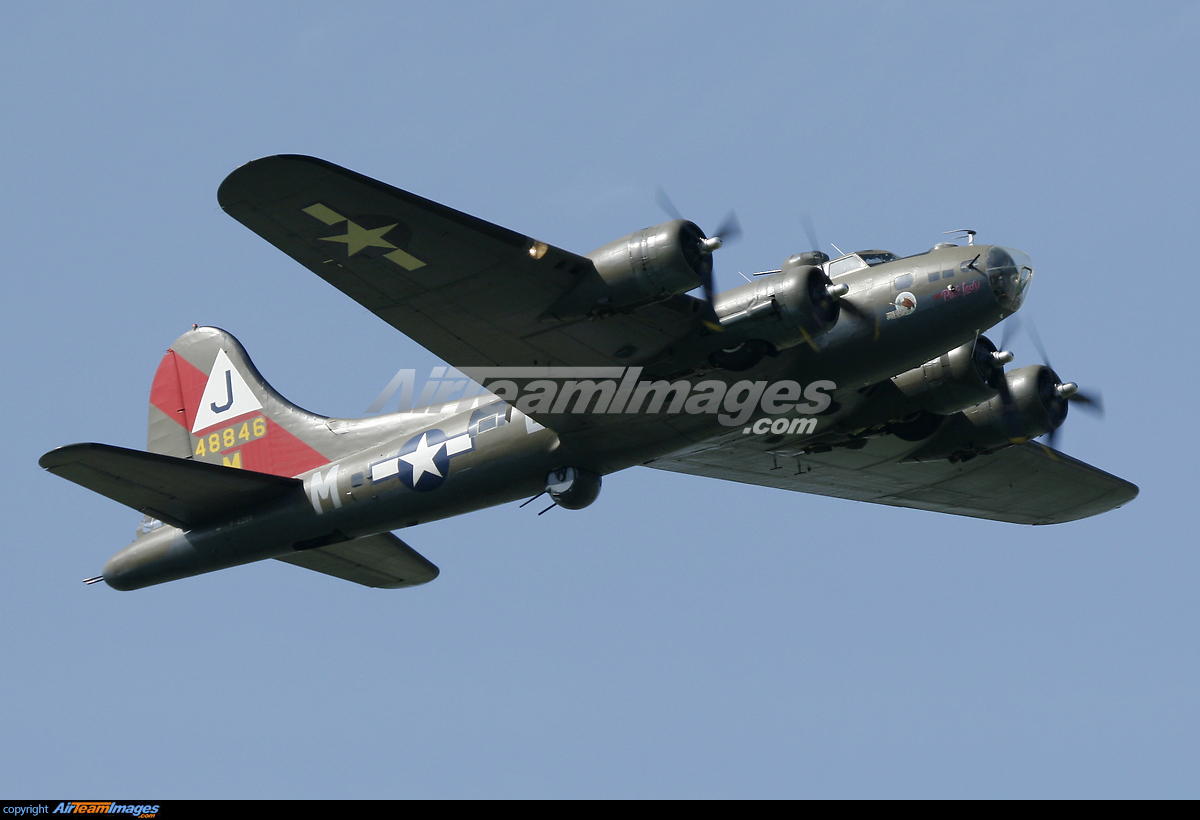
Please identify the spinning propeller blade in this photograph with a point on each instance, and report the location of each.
(838, 291)
(728, 231)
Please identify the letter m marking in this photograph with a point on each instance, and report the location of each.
(321, 488)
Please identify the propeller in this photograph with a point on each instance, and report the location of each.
(728, 231)
(1068, 391)
(811, 232)
(838, 291)
(1055, 391)
(1010, 329)
(664, 202)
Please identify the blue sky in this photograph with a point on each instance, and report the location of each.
(681, 637)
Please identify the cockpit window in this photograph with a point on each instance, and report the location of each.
(874, 258)
(858, 261)
(845, 265)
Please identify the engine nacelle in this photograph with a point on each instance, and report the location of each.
(960, 378)
(653, 263)
(1033, 407)
(784, 309)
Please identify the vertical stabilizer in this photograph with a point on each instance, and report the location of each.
(209, 403)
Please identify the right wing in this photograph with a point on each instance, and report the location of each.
(381, 560)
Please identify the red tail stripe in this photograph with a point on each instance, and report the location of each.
(165, 392)
(179, 385)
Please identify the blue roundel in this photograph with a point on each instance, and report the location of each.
(423, 462)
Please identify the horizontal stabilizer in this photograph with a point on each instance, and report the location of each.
(374, 560)
(181, 492)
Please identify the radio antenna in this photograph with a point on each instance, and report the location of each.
(970, 234)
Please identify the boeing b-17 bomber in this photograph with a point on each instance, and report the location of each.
(865, 377)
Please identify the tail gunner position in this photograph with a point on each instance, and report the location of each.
(596, 363)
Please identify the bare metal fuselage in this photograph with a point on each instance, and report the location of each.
(351, 496)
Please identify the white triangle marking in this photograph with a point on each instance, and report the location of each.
(225, 396)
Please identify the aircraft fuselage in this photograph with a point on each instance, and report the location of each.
(439, 465)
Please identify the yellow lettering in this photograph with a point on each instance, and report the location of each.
(235, 462)
(244, 433)
(214, 442)
(260, 427)
(200, 451)
(227, 437)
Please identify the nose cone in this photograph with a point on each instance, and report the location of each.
(1009, 272)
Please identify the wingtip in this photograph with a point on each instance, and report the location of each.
(227, 191)
(64, 454)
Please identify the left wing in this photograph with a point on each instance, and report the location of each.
(473, 293)
(1023, 484)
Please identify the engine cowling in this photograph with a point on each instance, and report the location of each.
(653, 263)
(960, 378)
(783, 309)
(1029, 405)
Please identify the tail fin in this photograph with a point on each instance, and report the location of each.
(209, 403)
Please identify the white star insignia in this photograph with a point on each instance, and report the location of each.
(421, 459)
